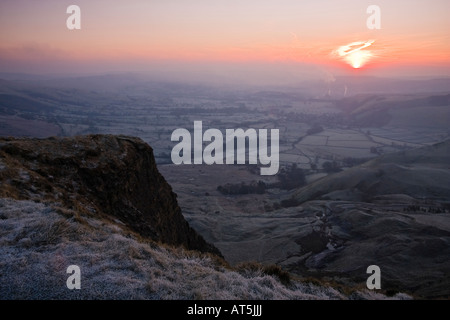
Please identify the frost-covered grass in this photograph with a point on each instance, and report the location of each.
(38, 242)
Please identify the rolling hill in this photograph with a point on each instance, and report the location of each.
(422, 173)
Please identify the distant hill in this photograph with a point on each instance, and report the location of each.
(376, 85)
(412, 110)
(419, 173)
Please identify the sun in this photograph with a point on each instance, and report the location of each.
(355, 53)
(358, 59)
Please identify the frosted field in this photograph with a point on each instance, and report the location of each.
(339, 143)
(359, 144)
(387, 141)
(314, 140)
(401, 136)
(294, 158)
(345, 152)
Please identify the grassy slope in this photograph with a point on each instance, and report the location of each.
(39, 241)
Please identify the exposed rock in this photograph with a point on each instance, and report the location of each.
(98, 175)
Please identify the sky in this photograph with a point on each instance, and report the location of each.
(253, 38)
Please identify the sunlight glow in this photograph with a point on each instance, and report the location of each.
(354, 53)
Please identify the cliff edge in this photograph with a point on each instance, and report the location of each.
(98, 175)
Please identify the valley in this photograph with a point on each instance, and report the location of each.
(371, 169)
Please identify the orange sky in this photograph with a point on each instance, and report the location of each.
(121, 33)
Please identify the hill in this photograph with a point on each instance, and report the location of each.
(419, 173)
(100, 203)
(392, 211)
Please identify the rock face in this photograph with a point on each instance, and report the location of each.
(98, 175)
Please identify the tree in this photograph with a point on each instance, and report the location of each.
(330, 167)
(291, 177)
(316, 128)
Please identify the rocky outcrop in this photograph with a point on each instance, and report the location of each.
(106, 175)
